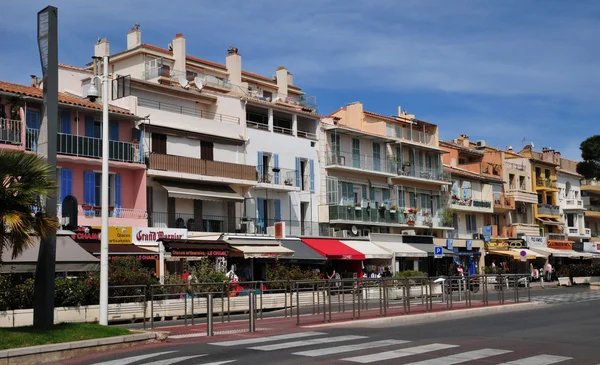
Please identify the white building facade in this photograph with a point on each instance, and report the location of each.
(572, 209)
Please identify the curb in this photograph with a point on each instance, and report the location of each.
(427, 317)
(61, 351)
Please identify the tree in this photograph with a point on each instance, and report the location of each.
(24, 178)
(590, 154)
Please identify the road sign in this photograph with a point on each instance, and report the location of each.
(523, 254)
(437, 252)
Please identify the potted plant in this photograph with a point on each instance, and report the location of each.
(276, 169)
(349, 206)
(393, 209)
(357, 206)
(288, 182)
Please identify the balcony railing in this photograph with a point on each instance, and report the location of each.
(184, 110)
(515, 166)
(503, 202)
(469, 202)
(10, 131)
(225, 224)
(363, 162)
(365, 215)
(545, 183)
(573, 203)
(283, 130)
(422, 172)
(305, 134)
(257, 125)
(548, 209)
(190, 165)
(90, 211)
(557, 236)
(413, 135)
(90, 147)
(309, 102)
(210, 80)
(154, 72)
(282, 177)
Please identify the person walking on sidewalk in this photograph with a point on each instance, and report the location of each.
(549, 272)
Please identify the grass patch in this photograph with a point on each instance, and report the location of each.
(64, 332)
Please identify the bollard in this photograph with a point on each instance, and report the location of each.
(209, 315)
(325, 304)
(459, 289)
(358, 295)
(251, 310)
(222, 303)
(261, 302)
(151, 307)
(298, 305)
(145, 305)
(193, 295)
(329, 300)
(380, 299)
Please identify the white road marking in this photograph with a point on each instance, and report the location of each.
(463, 357)
(314, 341)
(249, 341)
(394, 354)
(132, 359)
(218, 362)
(539, 360)
(349, 348)
(174, 360)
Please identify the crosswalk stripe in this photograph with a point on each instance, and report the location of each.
(394, 354)
(132, 359)
(539, 360)
(463, 357)
(250, 341)
(174, 360)
(218, 362)
(314, 341)
(349, 348)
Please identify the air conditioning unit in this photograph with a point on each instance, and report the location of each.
(345, 233)
(366, 232)
(410, 232)
(332, 232)
(248, 227)
(444, 188)
(480, 143)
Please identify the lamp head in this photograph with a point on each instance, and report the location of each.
(92, 93)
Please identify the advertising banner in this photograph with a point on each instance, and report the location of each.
(149, 236)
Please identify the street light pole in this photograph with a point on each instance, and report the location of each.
(104, 235)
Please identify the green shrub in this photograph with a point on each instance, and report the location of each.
(278, 272)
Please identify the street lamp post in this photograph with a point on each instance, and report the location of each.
(92, 93)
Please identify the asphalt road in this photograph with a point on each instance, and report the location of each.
(536, 294)
(565, 332)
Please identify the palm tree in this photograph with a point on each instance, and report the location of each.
(24, 178)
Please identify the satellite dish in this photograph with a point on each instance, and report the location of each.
(183, 81)
(198, 82)
(532, 145)
(354, 230)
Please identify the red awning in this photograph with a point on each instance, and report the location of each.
(333, 249)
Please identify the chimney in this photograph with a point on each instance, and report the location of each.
(233, 62)
(134, 37)
(510, 149)
(290, 78)
(282, 80)
(399, 110)
(179, 53)
(465, 141)
(102, 48)
(557, 158)
(34, 81)
(548, 154)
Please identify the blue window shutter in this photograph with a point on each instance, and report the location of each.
(298, 182)
(89, 187)
(468, 222)
(118, 195)
(65, 122)
(474, 224)
(311, 164)
(386, 196)
(141, 142)
(114, 130)
(89, 126)
(32, 119)
(260, 207)
(259, 166)
(276, 165)
(364, 193)
(277, 204)
(66, 183)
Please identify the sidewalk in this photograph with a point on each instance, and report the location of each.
(281, 325)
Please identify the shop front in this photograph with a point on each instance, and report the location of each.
(303, 256)
(433, 266)
(376, 258)
(181, 253)
(250, 256)
(559, 253)
(468, 253)
(148, 258)
(345, 260)
(404, 256)
(511, 255)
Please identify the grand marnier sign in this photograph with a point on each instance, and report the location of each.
(149, 236)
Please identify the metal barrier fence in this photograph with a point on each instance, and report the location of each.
(309, 302)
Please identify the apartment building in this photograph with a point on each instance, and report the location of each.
(518, 185)
(590, 191)
(380, 174)
(547, 212)
(79, 153)
(476, 196)
(214, 135)
(568, 181)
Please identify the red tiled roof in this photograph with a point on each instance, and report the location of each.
(155, 48)
(469, 174)
(381, 116)
(62, 97)
(64, 65)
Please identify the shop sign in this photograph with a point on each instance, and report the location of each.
(591, 247)
(578, 246)
(137, 257)
(279, 230)
(469, 245)
(149, 236)
(199, 253)
(92, 234)
(346, 257)
(449, 244)
(560, 245)
(535, 241)
(260, 255)
(502, 244)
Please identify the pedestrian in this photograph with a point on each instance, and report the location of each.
(185, 276)
(549, 272)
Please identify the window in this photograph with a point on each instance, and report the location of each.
(206, 151)
(571, 220)
(462, 161)
(376, 156)
(355, 152)
(522, 183)
(335, 144)
(398, 132)
(92, 189)
(389, 130)
(471, 223)
(159, 143)
(267, 94)
(547, 173)
(538, 172)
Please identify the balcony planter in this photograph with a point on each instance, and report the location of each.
(288, 183)
(393, 209)
(410, 222)
(275, 169)
(357, 207)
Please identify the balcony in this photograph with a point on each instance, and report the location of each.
(10, 131)
(225, 224)
(422, 173)
(196, 166)
(573, 204)
(412, 135)
(361, 162)
(184, 110)
(309, 102)
(548, 209)
(503, 203)
(545, 184)
(213, 81)
(514, 166)
(520, 229)
(521, 194)
(557, 237)
(366, 215)
(576, 232)
(469, 204)
(91, 215)
(90, 147)
(278, 179)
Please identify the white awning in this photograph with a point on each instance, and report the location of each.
(400, 249)
(263, 251)
(546, 251)
(528, 253)
(369, 249)
(201, 191)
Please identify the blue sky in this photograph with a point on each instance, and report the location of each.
(496, 70)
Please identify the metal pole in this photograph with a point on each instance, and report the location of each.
(145, 305)
(209, 315)
(223, 303)
(103, 318)
(185, 314)
(298, 305)
(151, 306)
(325, 304)
(329, 300)
(261, 302)
(193, 295)
(251, 310)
